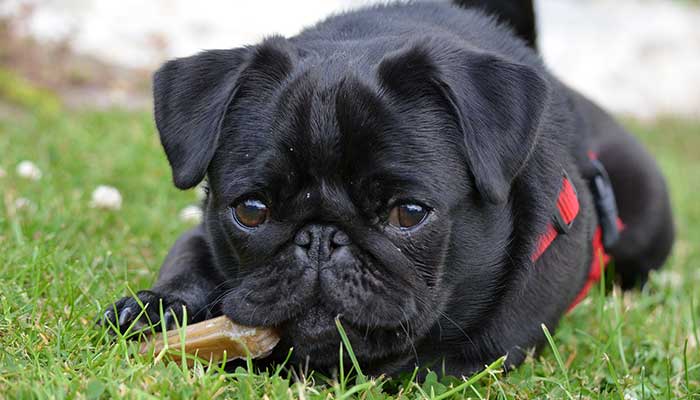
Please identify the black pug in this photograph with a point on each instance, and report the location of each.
(411, 169)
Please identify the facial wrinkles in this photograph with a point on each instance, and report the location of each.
(315, 153)
(324, 136)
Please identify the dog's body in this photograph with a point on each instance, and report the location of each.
(436, 114)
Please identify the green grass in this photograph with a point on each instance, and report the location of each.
(61, 262)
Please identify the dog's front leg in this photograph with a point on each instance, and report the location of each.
(187, 279)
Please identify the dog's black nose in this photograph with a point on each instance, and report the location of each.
(319, 241)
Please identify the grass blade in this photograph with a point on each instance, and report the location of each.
(685, 367)
(613, 374)
(344, 337)
(557, 357)
(494, 366)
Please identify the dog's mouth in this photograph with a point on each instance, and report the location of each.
(315, 340)
(308, 325)
(380, 317)
(315, 325)
(312, 333)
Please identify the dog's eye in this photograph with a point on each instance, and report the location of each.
(250, 213)
(406, 215)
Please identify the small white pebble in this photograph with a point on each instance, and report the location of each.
(106, 197)
(191, 214)
(2, 173)
(24, 204)
(29, 170)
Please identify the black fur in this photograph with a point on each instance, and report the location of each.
(425, 103)
(517, 14)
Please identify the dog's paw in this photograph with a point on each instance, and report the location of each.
(129, 315)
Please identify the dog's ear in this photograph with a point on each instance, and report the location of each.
(498, 105)
(192, 95)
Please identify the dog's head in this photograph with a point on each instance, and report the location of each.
(370, 185)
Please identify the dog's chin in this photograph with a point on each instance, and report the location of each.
(315, 340)
(313, 336)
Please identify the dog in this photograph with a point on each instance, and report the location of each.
(412, 170)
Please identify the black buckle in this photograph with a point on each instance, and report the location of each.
(606, 207)
(557, 220)
(561, 226)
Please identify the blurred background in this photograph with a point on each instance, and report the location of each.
(636, 57)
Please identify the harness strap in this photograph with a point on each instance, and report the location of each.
(568, 207)
(598, 263)
(567, 211)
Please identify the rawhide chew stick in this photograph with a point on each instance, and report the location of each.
(210, 339)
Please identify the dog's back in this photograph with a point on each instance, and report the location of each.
(368, 34)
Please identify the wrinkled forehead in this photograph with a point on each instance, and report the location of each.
(341, 131)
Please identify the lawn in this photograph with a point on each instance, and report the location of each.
(61, 262)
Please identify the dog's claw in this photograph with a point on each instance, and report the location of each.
(173, 318)
(125, 316)
(107, 318)
(168, 320)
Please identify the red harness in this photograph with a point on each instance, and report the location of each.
(568, 208)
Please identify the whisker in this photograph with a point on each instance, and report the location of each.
(408, 334)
